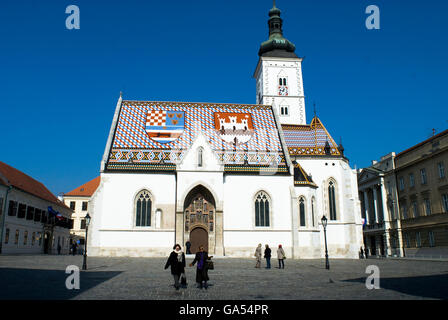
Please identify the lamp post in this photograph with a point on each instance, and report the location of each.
(84, 262)
(324, 224)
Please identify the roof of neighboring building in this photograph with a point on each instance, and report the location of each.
(154, 135)
(24, 182)
(309, 140)
(422, 143)
(86, 190)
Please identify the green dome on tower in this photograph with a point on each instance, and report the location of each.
(276, 45)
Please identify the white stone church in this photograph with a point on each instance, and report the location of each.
(227, 176)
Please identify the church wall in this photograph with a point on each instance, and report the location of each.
(113, 218)
(241, 237)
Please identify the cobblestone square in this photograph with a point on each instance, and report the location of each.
(44, 277)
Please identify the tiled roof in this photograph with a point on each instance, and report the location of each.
(252, 141)
(86, 190)
(21, 181)
(301, 178)
(305, 140)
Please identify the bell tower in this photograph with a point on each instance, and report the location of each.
(279, 74)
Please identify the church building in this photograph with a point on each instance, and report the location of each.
(227, 176)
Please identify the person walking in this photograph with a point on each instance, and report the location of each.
(201, 270)
(267, 256)
(177, 262)
(59, 248)
(258, 256)
(361, 253)
(281, 257)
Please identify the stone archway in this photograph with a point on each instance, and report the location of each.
(199, 218)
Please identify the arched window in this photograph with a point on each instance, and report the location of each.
(200, 151)
(332, 200)
(282, 111)
(262, 210)
(302, 212)
(286, 110)
(143, 206)
(312, 209)
(280, 82)
(284, 81)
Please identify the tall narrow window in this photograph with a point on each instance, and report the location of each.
(418, 239)
(302, 212)
(143, 209)
(312, 210)
(200, 151)
(401, 183)
(332, 200)
(262, 210)
(72, 205)
(411, 180)
(423, 176)
(415, 208)
(432, 243)
(445, 202)
(441, 168)
(84, 205)
(427, 206)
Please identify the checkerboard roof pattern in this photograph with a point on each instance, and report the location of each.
(132, 142)
(309, 139)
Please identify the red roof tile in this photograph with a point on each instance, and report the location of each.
(86, 190)
(20, 180)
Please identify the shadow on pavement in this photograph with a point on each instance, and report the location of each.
(37, 284)
(434, 286)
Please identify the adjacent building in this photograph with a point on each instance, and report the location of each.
(78, 200)
(32, 219)
(404, 201)
(423, 196)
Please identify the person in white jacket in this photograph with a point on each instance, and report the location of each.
(281, 257)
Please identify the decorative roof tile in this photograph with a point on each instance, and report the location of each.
(308, 140)
(153, 135)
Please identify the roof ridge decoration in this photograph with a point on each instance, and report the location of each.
(309, 140)
(247, 147)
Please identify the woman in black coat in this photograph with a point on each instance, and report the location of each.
(201, 270)
(177, 262)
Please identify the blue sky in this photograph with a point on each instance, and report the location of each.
(380, 90)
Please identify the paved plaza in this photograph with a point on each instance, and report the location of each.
(44, 277)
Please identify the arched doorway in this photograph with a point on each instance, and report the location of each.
(199, 219)
(198, 237)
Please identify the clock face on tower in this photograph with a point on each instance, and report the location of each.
(283, 90)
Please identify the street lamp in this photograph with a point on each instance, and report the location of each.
(324, 224)
(84, 262)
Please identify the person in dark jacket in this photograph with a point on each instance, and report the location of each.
(267, 256)
(201, 270)
(177, 262)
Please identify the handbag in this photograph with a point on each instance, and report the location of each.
(210, 265)
(183, 279)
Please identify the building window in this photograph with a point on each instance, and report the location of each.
(30, 213)
(432, 243)
(445, 202)
(302, 212)
(72, 205)
(37, 215)
(16, 240)
(83, 224)
(415, 209)
(332, 200)
(25, 238)
(143, 209)
(262, 210)
(12, 209)
(404, 210)
(418, 240)
(407, 240)
(84, 205)
(6, 236)
(411, 180)
(22, 211)
(441, 168)
(401, 183)
(423, 176)
(312, 210)
(200, 152)
(427, 207)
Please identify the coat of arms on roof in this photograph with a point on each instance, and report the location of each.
(164, 126)
(234, 128)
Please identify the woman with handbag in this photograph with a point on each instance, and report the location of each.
(177, 262)
(202, 267)
(281, 257)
